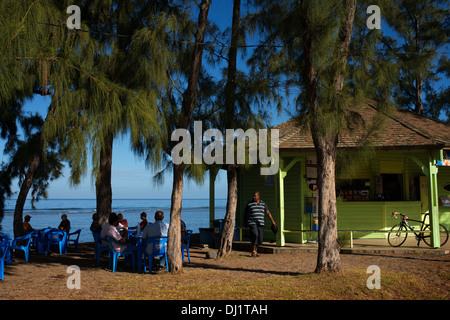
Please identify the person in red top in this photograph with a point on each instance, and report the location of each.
(144, 221)
(122, 221)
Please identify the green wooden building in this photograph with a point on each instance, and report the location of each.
(405, 172)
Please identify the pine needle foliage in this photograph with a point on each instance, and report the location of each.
(28, 51)
(104, 80)
(120, 68)
(419, 44)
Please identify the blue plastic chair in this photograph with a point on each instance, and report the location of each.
(4, 249)
(158, 251)
(185, 244)
(131, 233)
(58, 238)
(40, 239)
(99, 246)
(34, 238)
(113, 255)
(22, 243)
(73, 237)
(3, 237)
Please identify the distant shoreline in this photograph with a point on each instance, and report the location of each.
(195, 213)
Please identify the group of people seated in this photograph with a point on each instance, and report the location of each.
(63, 226)
(117, 228)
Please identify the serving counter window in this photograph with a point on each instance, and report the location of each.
(353, 189)
(387, 187)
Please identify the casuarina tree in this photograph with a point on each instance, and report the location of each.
(308, 44)
(418, 45)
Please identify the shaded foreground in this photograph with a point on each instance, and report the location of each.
(267, 277)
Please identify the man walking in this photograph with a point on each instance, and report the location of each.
(254, 216)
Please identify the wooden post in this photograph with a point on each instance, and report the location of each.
(281, 238)
(433, 206)
(281, 175)
(351, 239)
(433, 202)
(302, 184)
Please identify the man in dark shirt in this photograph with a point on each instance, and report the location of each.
(65, 224)
(95, 226)
(254, 217)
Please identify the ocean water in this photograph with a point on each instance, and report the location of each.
(195, 213)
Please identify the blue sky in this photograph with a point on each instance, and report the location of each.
(130, 178)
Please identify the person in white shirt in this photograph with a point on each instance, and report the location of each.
(110, 229)
(156, 229)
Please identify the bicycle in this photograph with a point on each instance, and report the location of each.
(398, 233)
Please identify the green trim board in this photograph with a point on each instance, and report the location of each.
(282, 173)
(434, 207)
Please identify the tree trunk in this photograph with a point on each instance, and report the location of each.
(328, 258)
(230, 92)
(174, 233)
(2, 206)
(419, 79)
(228, 228)
(325, 140)
(103, 184)
(196, 65)
(23, 193)
(419, 89)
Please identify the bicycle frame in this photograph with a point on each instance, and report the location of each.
(420, 235)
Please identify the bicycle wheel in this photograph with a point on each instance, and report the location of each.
(397, 236)
(443, 235)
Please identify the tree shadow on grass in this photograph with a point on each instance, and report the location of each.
(84, 258)
(197, 265)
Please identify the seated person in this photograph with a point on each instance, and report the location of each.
(95, 226)
(140, 227)
(123, 230)
(143, 223)
(110, 229)
(157, 229)
(123, 223)
(183, 232)
(26, 224)
(65, 224)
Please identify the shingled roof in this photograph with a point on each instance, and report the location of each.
(398, 129)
